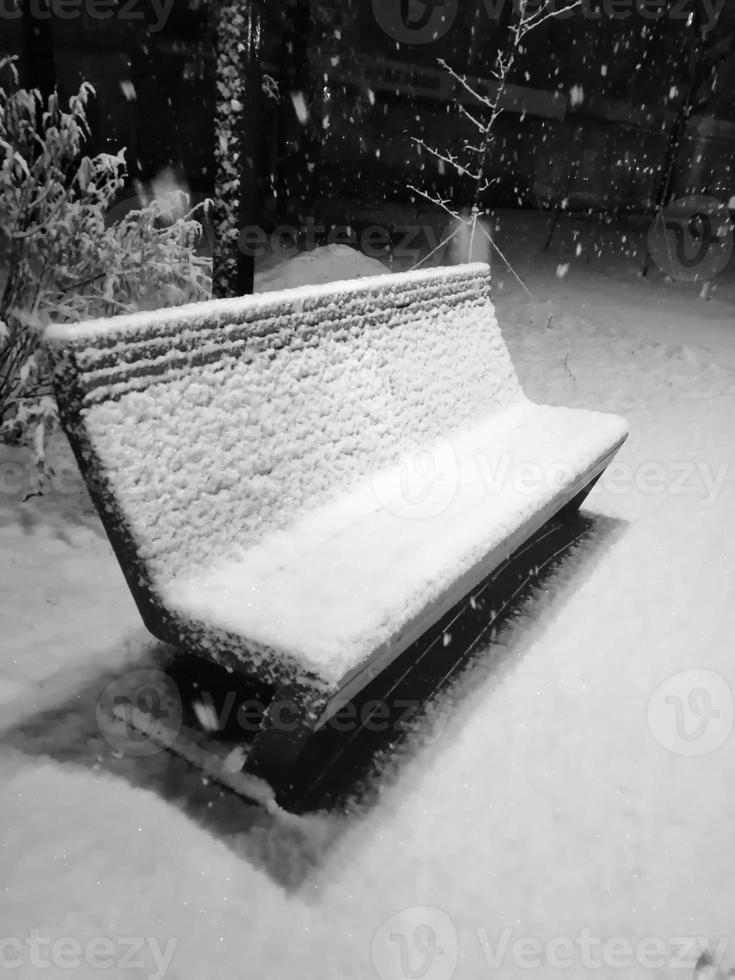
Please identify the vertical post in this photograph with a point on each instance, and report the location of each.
(238, 49)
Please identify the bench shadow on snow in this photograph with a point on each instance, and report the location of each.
(350, 763)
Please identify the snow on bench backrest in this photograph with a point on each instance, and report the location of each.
(202, 427)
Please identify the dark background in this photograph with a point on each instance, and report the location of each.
(368, 95)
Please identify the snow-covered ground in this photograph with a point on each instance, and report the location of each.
(570, 815)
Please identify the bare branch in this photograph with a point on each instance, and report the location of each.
(462, 80)
(473, 119)
(491, 108)
(434, 199)
(447, 158)
(544, 14)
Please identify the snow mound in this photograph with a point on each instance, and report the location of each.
(329, 263)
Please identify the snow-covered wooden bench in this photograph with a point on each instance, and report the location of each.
(299, 484)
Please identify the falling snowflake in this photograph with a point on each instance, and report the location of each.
(299, 104)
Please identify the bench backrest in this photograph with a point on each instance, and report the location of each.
(202, 427)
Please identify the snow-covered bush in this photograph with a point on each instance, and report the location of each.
(60, 260)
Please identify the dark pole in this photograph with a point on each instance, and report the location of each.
(237, 141)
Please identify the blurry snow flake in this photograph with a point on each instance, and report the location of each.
(206, 715)
(691, 712)
(140, 713)
(416, 942)
(235, 759)
(562, 269)
(423, 483)
(128, 90)
(576, 95)
(691, 239)
(415, 21)
(299, 104)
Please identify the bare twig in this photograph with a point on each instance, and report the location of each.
(484, 121)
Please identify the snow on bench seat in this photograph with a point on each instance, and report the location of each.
(351, 579)
(249, 460)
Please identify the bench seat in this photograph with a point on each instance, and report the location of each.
(349, 584)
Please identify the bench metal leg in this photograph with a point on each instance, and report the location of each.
(288, 724)
(569, 511)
